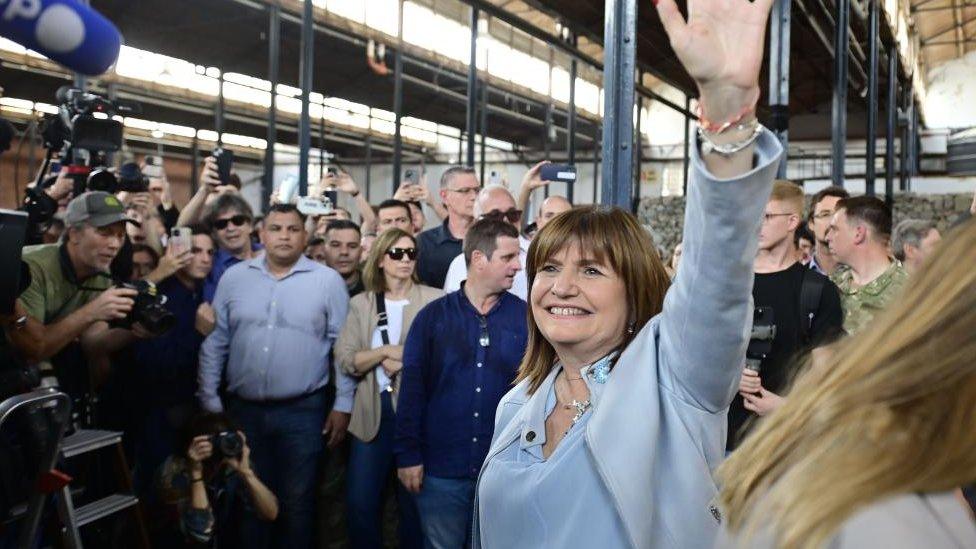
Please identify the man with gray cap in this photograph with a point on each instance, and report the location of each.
(70, 296)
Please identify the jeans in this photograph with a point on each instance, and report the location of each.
(370, 466)
(286, 445)
(446, 507)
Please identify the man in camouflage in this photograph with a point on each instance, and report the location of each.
(869, 278)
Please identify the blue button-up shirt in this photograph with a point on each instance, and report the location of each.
(451, 383)
(274, 335)
(222, 261)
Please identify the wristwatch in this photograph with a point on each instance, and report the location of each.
(19, 324)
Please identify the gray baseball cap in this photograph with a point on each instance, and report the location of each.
(97, 208)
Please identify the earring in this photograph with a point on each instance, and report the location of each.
(630, 328)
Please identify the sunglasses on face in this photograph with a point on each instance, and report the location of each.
(237, 220)
(513, 215)
(396, 254)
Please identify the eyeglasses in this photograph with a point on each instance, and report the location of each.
(823, 215)
(396, 254)
(237, 220)
(512, 215)
(767, 217)
(466, 190)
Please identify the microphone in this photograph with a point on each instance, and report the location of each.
(65, 31)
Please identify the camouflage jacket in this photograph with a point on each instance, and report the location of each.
(861, 303)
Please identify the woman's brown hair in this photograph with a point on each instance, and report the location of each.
(890, 412)
(608, 235)
(373, 278)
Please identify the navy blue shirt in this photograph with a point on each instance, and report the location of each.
(451, 383)
(222, 260)
(168, 363)
(437, 248)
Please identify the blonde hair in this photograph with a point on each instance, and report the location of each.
(890, 412)
(374, 280)
(614, 237)
(789, 192)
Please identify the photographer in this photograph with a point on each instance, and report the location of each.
(71, 294)
(211, 482)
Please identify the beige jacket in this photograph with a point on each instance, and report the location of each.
(356, 336)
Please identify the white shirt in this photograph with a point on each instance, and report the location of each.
(394, 319)
(458, 272)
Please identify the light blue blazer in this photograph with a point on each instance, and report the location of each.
(660, 430)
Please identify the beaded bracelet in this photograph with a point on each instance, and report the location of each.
(728, 149)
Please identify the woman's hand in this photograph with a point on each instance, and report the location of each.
(393, 352)
(391, 367)
(412, 478)
(532, 180)
(750, 383)
(763, 402)
(721, 46)
(200, 449)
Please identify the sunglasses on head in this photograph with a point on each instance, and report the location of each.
(396, 254)
(237, 220)
(512, 215)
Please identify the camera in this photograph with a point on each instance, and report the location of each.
(761, 339)
(315, 206)
(148, 309)
(227, 444)
(83, 131)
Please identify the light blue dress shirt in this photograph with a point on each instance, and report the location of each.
(524, 494)
(275, 335)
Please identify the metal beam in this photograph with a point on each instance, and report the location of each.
(368, 160)
(957, 25)
(839, 112)
(219, 110)
(620, 27)
(638, 152)
(398, 103)
(484, 126)
(874, 9)
(917, 9)
(547, 140)
(472, 115)
(274, 55)
(779, 77)
(951, 42)
(571, 124)
(306, 70)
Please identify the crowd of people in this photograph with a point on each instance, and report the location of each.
(793, 375)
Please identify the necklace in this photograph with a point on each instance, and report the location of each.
(581, 408)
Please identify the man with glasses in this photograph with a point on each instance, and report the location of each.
(494, 202)
(440, 245)
(797, 309)
(231, 220)
(821, 211)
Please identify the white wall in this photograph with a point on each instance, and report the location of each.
(950, 100)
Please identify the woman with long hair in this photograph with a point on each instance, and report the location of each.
(872, 444)
(618, 419)
(370, 348)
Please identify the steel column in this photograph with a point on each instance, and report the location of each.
(398, 103)
(322, 143)
(546, 141)
(872, 130)
(908, 94)
(369, 165)
(472, 114)
(596, 162)
(484, 125)
(571, 124)
(274, 55)
(306, 71)
(839, 119)
(779, 77)
(638, 152)
(219, 111)
(194, 164)
(620, 24)
(891, 122)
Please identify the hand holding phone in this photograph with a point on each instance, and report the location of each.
(181, 240)
(225, 160)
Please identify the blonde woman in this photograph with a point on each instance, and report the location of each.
(374, 357)
(871, 446)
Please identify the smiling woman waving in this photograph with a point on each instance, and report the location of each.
(611, 436)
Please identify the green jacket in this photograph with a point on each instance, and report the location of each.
(861, 303)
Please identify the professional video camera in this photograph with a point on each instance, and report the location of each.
(148, 309)
(81, 133)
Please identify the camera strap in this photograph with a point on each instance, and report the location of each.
(811, 291)
(381, 322)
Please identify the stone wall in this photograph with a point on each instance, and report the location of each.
(664, 216)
